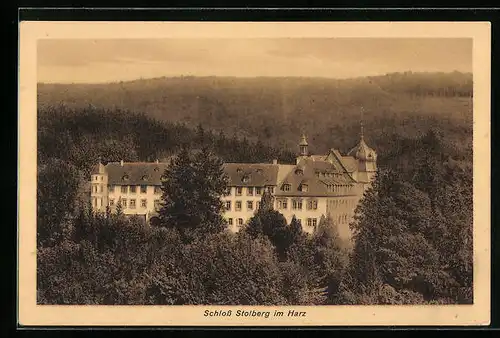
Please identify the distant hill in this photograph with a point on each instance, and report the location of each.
(277, 110)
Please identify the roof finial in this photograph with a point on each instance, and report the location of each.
(361, 124)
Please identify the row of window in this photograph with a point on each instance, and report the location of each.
(311, 222)
(342, 203)
(143, 189)
(238, 205)
(132, 203)
(297, 204)
(239, 221)
(250, 191)
(303, 187)
(339, 188)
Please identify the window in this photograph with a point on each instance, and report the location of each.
(250, 191)
(157, 204)
(230, 221)
(314, 222)
(240, 221)
(102, 187)
(304, 188)
(238, 206)
(245, 179)
(250, 205)
(286, 187)
(124, 202)
(144, 189)
(238, 191)
(132, 204)
(312, 204)
(270, 189)
(144, 203)
(309, 222)
(95, 202)
(163, 178)
(111, 188)
(297, 204)
(111, 202)
(228, 205)
(257, 205)
(124, 189)
(157, 189)
(125, 177)
(258, 191)
(145, 177)
(299, 172)
(133, 189)
(283, 204)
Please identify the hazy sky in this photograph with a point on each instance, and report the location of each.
(93, 61)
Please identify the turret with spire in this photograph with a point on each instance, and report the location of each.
(366, 156)
(303, 148)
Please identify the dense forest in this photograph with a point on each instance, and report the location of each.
(277, 110)
(413, 229)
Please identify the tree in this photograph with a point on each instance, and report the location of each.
(192, 188)
(57, 192)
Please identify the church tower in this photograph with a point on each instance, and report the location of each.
(367, 160)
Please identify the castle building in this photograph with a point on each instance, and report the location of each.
(316, 185)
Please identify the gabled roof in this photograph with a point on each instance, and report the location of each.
(350, 163)
(257, 174)
(316, 186)
(137, 173)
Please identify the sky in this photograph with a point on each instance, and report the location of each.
(100, 61)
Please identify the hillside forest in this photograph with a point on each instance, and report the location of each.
(412, 229)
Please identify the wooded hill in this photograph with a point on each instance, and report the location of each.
(277, 110)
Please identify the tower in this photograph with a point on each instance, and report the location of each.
(99, 187)
(366, 157)
(303, 151)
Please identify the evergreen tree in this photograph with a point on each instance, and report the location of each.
(192, 188)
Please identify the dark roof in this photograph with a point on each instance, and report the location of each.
(138, 173)
(257, 174)
(95, 169)
(316, 186)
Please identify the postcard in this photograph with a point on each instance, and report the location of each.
(254, 173)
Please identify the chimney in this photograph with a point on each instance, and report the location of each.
(121, 163)
(275, 161)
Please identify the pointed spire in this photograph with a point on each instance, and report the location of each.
(361, 125)
(303, 140)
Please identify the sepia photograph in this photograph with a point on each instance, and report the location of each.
(254, 177)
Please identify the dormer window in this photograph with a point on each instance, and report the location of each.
(163, 178)
(299, 172)
(304, 187)
(145, 178)
(245, 179)
(259, 171)
(286, 187)
(125, 177)
(239, 171)
(156, 169)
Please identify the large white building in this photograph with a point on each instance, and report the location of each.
(315, 185)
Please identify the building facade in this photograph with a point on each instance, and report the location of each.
(316, 185)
